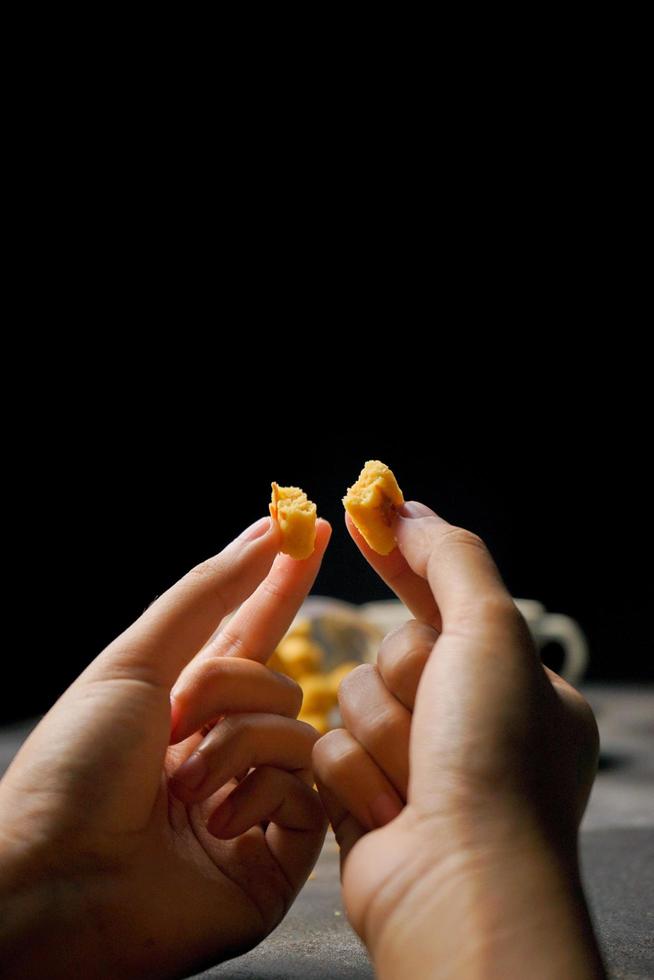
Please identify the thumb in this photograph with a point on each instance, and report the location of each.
(455, 562)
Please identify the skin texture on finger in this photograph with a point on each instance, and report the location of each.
(172, 630)
(297, 851)
(402, 657)
(483, 696)
(239, 743)
(263, 619)
(268, 794)
(410, 588)
(346, 827)
(228, 685)
(378, 722)
(353, 778)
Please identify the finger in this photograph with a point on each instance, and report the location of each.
(378, 722)
(402, 657)
(461, 573)
(297, 820)
(263, 620)
(342, 765)
(268, 794)
(228, 685)
(393, 569)
(172, 629)
(347, 829)
(239, 743)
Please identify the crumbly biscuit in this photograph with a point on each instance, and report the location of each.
(372, 503)
(296, 516)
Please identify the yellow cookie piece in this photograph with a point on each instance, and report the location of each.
(318, 694)
(372, 503)
(297, 656)
(296, 516)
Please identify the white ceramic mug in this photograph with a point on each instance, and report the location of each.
(549, 627)
(545, 627)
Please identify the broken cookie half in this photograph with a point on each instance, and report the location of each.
(372, 503)
(296, 516)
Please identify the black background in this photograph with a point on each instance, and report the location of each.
(206, 300)
(129, 483)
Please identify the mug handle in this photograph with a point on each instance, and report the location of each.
(566, 632)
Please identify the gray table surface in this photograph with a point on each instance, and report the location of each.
(314, 942)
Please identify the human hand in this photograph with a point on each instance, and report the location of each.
(111, 864)
(457, 785)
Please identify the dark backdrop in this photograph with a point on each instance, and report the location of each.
(125, 502)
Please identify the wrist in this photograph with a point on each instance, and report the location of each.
(486, 908)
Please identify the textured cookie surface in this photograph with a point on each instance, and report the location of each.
(296, 516)
(372, 503)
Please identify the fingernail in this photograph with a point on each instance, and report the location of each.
(384, 808)
(414, 508)
(221, 817)
(192, 773)
(256, 530)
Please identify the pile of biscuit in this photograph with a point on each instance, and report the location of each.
(299, 656)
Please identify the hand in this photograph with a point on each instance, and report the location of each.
(457, 785)
(104, 871)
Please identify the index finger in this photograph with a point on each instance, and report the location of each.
(410, 588)
(172, 630)
(456, 563)
(261, 622)
(258, 626)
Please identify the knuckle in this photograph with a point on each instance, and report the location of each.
(334, 752)
(233, 644)
(411, 642)
(391, 661)
(395, 635)
(376, 728)
(394, 674)
(208, 573)
(385, 724)
(230, 729)
(273, 588)
(499, 609)
(419, 632)
(294, 690)
(399, 637)
(207, 568)
(207, 671)
(209, 677)
(200, 571)
(461, 536)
